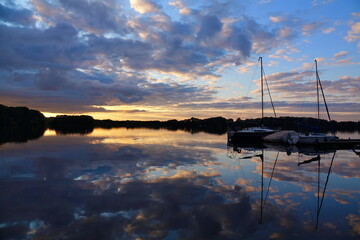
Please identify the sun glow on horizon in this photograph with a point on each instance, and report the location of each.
(51, 114)
(162, 61)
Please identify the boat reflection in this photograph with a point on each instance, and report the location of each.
(147, 184)
(299, 149)
(258, 153)
(356, 150)
(320, 194)
(307, 155)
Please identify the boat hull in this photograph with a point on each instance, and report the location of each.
(285, 137)
(316, 139)
(248, 136)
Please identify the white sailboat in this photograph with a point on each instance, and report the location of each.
(314, 138)
(254, 133)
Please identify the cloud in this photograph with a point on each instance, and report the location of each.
(70, 26)
(354, 33)
(297, 84)
(51, 79)
(324, 2)
(345, 84)
(290, 27)
(15, 16)
(75, 91)
(92, 16)
(25, 48)
(210, 25)
(103, 53)
(262, 40)
(308, 28)
(340, 54)
(356, 14)
(144, 6)
(264, 1)
(295, 92)
(277, 19)
(328, 30)
(286, 32)
(183, 9)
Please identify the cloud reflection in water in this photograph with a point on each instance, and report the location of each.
(157, 184)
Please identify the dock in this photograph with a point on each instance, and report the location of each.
(340, 144)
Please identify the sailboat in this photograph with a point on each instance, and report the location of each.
(254, 133)
(314, 137)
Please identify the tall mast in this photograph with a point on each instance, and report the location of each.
(262, 90)
(317, 91)
(319, 87)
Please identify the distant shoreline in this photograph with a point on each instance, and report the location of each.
(22, 123)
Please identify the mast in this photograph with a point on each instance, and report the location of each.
(262, 90)
(322, 92)
(320, 203)
(262, 187)
(317, 92)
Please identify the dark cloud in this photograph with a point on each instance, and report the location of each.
(238, 40)
(92, 16)
(210, 25)
(173, 93)
(15, 16)
(76, 91)
(172, 48)
(132, 53)
(52, 56)
(34, 48)
(134, 111)
(51, 79)
(98, 53)
(61, 33)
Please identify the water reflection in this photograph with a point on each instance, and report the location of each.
(308, 184)
(157, 184)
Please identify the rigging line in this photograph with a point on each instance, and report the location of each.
(309, 84)
(241, 169)
(262, 90)
(237, 158)
(262, 186)
(249, 87)
(232, 154)
(303, 186)
(317, 95)
(318, 188)
(267, 86)
(272, 174)
(323, 95)
(323, 194)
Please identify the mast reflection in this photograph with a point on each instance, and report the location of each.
(320, 195)
(306, 156)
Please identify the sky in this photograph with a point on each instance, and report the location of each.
(177, 59)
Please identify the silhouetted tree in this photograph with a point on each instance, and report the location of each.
(65, 124)
(19, 124)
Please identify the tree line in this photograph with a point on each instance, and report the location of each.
(18, 124)
(215, 125)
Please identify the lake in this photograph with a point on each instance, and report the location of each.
(160, 184)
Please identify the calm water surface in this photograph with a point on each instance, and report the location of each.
(158, 184)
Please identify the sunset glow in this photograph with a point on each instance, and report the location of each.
(161, 60)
